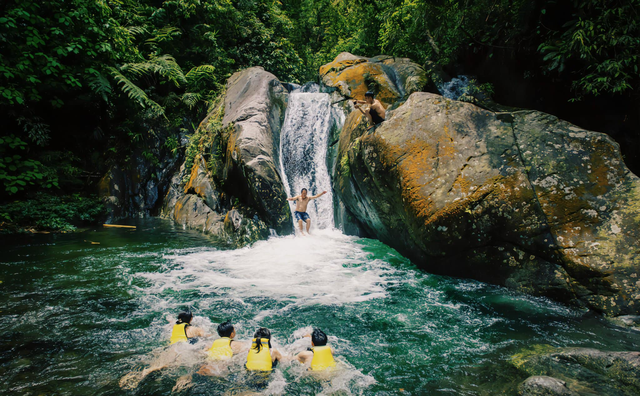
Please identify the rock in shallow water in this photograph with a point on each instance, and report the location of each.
(584, 371)
(544, 386)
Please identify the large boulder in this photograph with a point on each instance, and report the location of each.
(255, 104)
(230, 184)
(520, 199)
(392, 79)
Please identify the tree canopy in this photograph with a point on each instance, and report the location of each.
(84, 83)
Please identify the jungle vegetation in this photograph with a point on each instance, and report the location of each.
(86, 83)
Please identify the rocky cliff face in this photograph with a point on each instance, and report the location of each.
(230, 184)
(519, 198)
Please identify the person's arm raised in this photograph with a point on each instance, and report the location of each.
(294, 198)
(318, 196)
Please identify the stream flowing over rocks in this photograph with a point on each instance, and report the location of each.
(515, 198)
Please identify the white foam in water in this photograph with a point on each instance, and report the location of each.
(324, 268)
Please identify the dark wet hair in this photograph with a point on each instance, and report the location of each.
(225, 329)
(369, 93)
(184, 317)
(304, 189)
(262, 332)
(318, 337)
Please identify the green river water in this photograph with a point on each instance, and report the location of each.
(77, 317)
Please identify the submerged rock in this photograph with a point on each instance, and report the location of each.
(578, 371)
(542, 385)
(520, 199)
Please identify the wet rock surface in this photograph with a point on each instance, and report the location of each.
(391, 79)
(578, 371)
(520, 199)
(542, 385)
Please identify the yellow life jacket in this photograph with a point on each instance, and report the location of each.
(220, 350)
(179, 333)
(322, 358)
(260, 361)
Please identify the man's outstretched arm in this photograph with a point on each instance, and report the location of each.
(294, 198)
(319, 195)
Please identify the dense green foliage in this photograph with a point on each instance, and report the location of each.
(50, 213)
(85, 84)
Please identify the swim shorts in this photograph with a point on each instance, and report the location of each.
(304, 216)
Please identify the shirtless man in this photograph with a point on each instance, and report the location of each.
(301, 208)
(375, 113)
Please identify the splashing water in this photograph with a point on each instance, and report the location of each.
(78, 318)
(85, 319)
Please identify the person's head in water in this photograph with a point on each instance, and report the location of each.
(318, 338)
(184, 317)
(226, 329)
(369, 97)
(303, 193)
(262, 332)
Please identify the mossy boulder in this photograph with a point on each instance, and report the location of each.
(578, 371)
(230, 184)
(520, 199)
(392, 79)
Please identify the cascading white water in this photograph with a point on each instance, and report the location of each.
(303, 151)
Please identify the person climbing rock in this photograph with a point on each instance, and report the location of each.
(319, 355)
(375, 113)
(301, 208)
(262, 357)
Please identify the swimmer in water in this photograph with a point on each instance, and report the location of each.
(302, 201)
(222, 349)
(262, 357)
(182, 332)
(319, 355)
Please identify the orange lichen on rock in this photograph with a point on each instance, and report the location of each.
(191, 184)
(446, 144)
(354, 77)
(335, 67)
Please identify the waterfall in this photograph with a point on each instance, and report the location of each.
(303, 151)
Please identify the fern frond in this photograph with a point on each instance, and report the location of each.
(199, 74)
(191, 99)
(100, 85)
(165, 65)
(135, 30)
(136, 93)
(167, 34)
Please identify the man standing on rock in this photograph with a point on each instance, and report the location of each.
(375, 113)
(301, 208)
